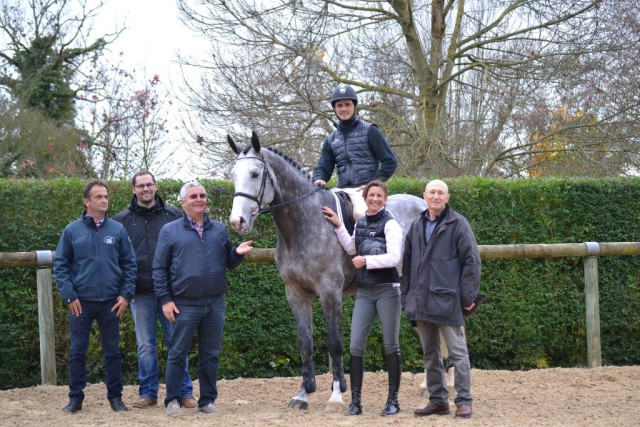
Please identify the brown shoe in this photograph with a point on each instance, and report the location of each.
(189, 402)
(431, 409)
(463, 410)
(144, 402)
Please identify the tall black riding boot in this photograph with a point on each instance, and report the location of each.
(356, 371)
(394, 366)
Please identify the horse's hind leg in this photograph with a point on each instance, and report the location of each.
(332, 308)
(301, 308)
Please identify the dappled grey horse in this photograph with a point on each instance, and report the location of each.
(308, 255)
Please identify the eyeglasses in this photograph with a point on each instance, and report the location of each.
(195, 196)
(142, 186)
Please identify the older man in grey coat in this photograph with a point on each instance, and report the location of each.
(440, 279)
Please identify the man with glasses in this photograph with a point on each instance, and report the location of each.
(143, 220)
(189, 275)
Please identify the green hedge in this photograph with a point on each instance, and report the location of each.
(535, 316)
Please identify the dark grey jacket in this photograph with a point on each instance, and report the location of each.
(143, 226)
(440, 278)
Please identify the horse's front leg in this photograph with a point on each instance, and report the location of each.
(301, 308)
(332, 307)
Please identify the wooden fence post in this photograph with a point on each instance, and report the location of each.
(592, 305)
(45, 317)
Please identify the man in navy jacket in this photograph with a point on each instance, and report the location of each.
(189, 276)
(95, 270)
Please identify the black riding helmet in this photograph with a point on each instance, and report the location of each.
(343, 91)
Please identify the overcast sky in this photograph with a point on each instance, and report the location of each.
(149, 45)
(153, 36)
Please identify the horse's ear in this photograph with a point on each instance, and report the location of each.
(233, 144)
(255, 142)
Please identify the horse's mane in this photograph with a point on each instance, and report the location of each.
(289, 160)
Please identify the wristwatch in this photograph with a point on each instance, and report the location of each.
(364, 261)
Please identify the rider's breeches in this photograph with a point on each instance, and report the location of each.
(382, 301)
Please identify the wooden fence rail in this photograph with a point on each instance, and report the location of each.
(590, 251)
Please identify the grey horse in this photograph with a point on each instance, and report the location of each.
(308, 256)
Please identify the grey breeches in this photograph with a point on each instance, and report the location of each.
(382, 301)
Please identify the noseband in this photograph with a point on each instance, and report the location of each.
(260, 196)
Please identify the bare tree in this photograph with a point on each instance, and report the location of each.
(452, 83)
(127, 123)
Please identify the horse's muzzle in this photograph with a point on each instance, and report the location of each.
(240, 225)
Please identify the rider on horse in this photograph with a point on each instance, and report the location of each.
(358, 149)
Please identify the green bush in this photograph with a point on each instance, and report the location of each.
(535, 316)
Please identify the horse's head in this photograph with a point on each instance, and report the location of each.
(253, 185)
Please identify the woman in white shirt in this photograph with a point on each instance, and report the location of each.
(377, 245)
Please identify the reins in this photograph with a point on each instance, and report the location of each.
(260, 196)
(288, 202)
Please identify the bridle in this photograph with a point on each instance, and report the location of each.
(260, 196)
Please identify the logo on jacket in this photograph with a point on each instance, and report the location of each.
(109, 240)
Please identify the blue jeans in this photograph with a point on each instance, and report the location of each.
(146, 311)
(208, 321)
(80, 331)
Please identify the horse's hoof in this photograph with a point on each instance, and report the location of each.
(337, 407)
(298, 404)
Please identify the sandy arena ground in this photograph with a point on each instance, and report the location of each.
(608, 396)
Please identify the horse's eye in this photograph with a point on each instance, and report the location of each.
(254, 175)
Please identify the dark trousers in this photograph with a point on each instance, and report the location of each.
(80, 330)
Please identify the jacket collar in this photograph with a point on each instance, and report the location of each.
(441, 216)
(376, 216)
(348, 124)
(88, 220)
(187, 222)
(137, 208)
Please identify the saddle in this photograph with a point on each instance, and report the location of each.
(346, 206)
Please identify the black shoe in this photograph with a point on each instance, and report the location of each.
(73, 406)
(117, 405)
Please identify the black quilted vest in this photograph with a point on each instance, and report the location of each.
(370, 240)
(355, 161)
